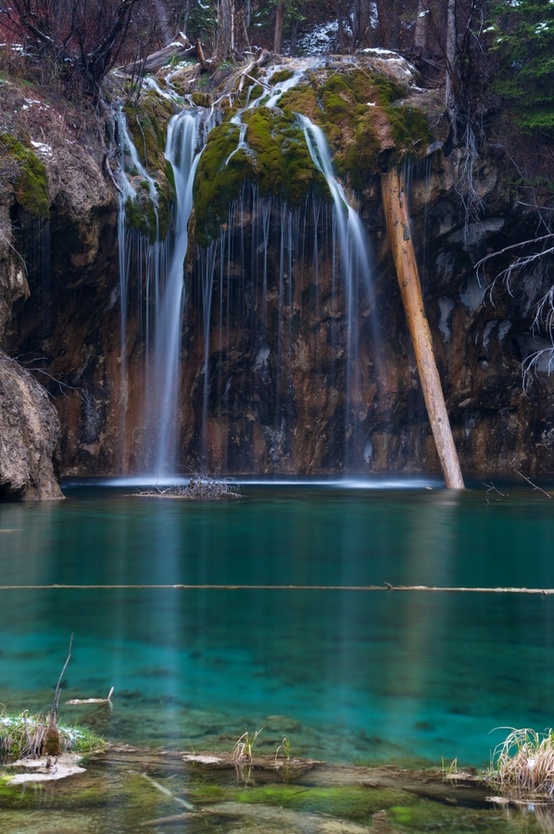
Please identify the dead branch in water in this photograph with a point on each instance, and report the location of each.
(492, 488)
(530, 482)
(199, 488)
(108, 700)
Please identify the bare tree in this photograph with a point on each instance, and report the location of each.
(79, 39)
(451, 52)
(225, 46)
(362, 33)
(422, 26)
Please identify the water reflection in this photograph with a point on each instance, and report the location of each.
(345, 674)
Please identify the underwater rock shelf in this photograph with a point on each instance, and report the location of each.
(129, 789)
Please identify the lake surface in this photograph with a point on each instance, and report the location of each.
(346, 675)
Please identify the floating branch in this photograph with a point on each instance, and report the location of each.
(107, 700)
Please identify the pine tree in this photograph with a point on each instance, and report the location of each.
(525, 42)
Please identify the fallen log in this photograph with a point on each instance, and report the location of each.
(398, 226)
(180, 48)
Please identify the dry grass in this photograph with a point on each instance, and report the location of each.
(524, 763)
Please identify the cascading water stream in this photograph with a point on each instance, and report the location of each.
(159, 277)
(276, 308)
(131, 167)
(355, 270)
(183, 153)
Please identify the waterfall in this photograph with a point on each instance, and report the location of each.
(159, 281)
(183, 153)
(271, 332)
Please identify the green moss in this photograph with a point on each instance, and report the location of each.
(410, 130)
(302, 99)
(280, 76)
(351, 102)
(218, 180)
(283, 164)
(202, 99)
(149, 218)
(346, 802)
(147, 122)
(352, 108)
(255, 92)
(31, 182)
(275, 158)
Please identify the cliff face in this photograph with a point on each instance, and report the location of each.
(57, 216)
(283, 368)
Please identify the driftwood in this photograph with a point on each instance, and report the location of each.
(398, 225)
(107, 700)
(263, 58)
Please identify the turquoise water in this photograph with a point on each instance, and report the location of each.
(346, 675)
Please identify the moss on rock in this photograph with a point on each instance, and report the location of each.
(147, 122)
(31, 181)
(274, 157)
(351, 108)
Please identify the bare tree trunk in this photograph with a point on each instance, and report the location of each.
(362, 32)
(225, 29)
(451, 50)
(398, 225)
(340, 23)
(422, 26)
(389, 23)
(279, 20)
(293, 37)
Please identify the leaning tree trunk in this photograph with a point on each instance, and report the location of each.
(398, 225)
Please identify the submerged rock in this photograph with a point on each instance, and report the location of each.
(29, 436)
(45, 769)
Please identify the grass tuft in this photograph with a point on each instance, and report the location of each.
(524, 763)
(24, 735)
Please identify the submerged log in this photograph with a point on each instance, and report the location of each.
(398, 226)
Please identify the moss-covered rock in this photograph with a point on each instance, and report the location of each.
(273, 156)
(355, 109)
(147, 122)
(31, 181)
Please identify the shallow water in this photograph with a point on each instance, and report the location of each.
(346, 675)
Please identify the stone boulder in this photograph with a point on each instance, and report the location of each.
(29, 440)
